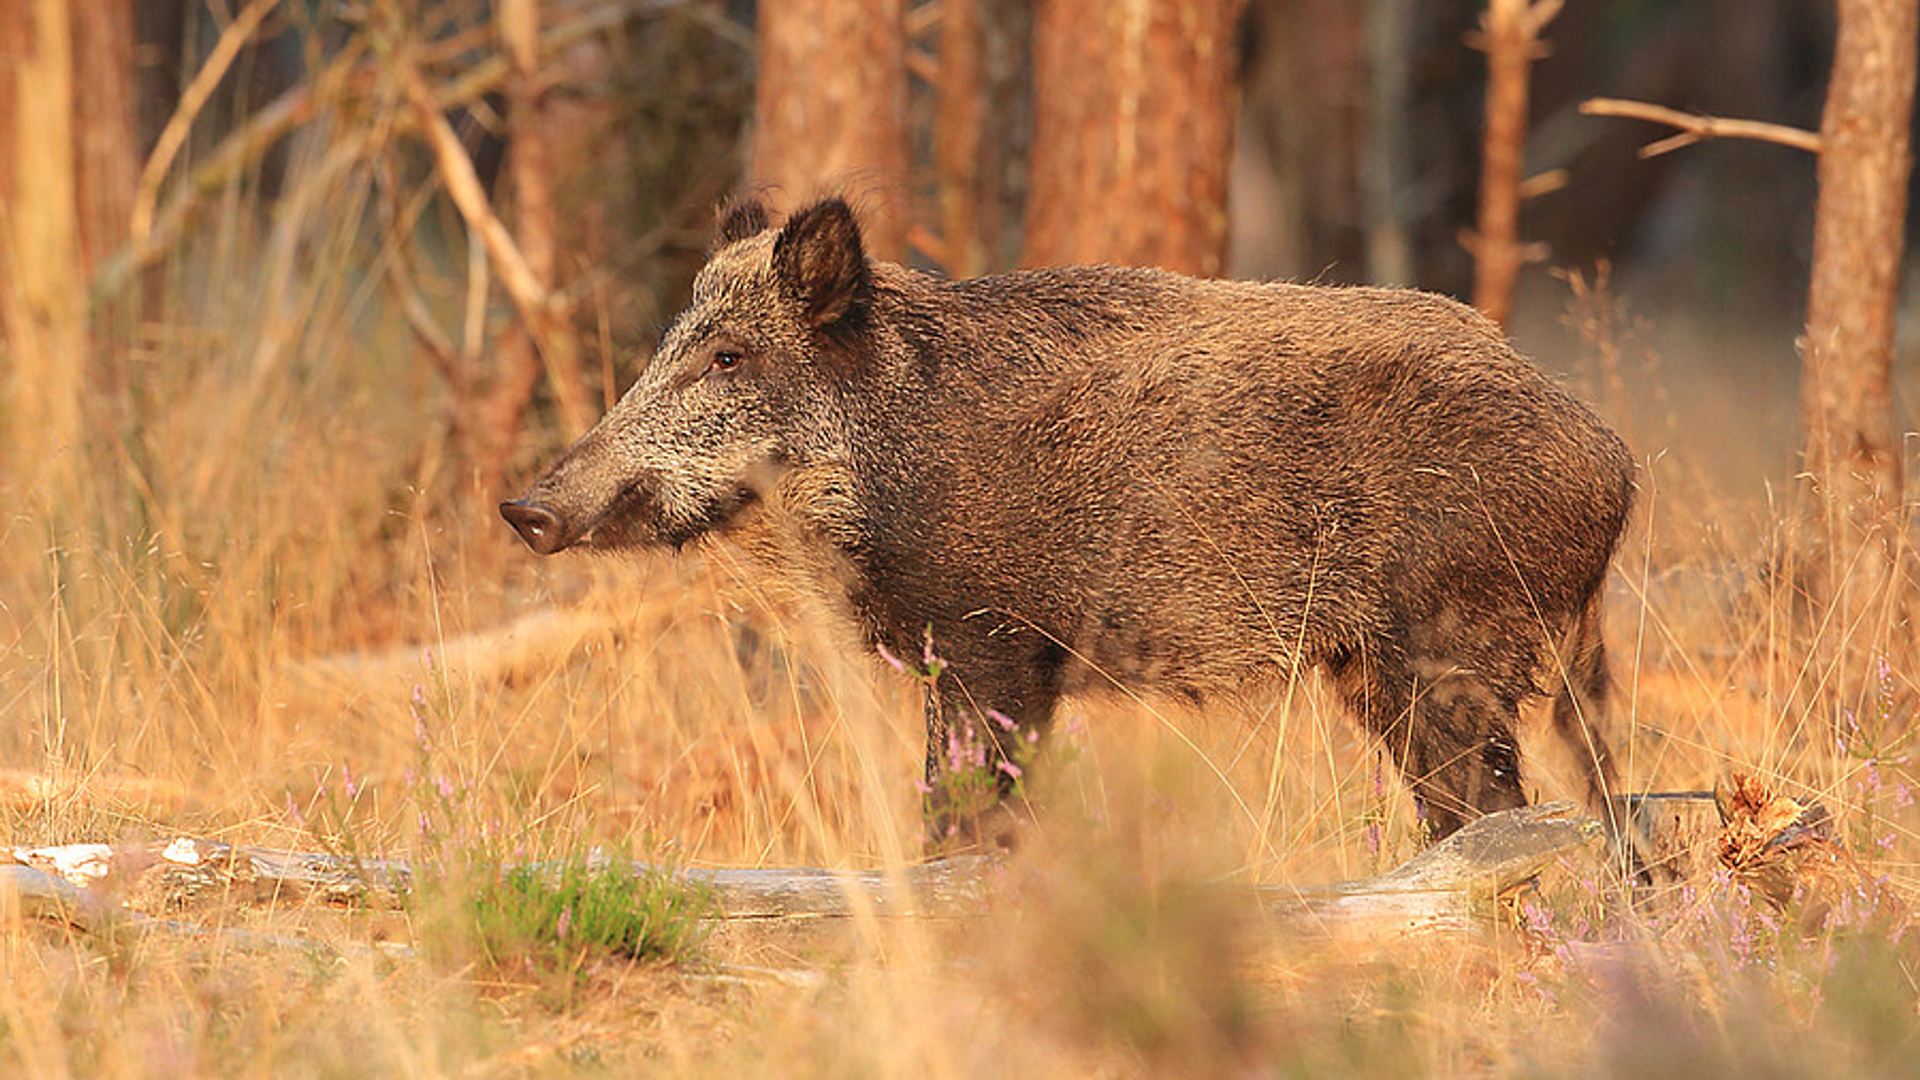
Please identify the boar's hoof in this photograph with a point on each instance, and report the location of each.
(537, 525)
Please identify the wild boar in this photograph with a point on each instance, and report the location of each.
(1098, 476)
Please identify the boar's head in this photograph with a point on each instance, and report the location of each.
(747, 383)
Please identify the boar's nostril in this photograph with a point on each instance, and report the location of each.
(540, 527)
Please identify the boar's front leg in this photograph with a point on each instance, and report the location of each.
(983, 732)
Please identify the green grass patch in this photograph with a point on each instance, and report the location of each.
(559, 913)
(559, 920)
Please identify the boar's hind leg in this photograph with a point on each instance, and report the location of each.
(1449, 730)
(981, 736)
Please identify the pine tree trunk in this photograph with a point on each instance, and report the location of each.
(1851, 455)
(960, 135)
(981, 128)
(1134, 110)
(830, 109)
(67, 169)
(42, 275)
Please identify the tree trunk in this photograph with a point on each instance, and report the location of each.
(830, 109)
(67, 169)
(1304, 176)
(1851, 455)
(1511, 29)
(960, 135)
(1389, 141)
(43, 262)
(552, 343)
(106, 155)
(1134, 110)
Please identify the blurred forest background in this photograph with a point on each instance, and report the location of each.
(1308, 139)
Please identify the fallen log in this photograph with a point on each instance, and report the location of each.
(1450, 885)
(37, 894)
(527, 643)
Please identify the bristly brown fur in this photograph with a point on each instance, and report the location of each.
(1094, 476)
(740, 219)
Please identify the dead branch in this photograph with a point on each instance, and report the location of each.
(924, 66)
(1695, 128)
(29, 892)
(469, 196)
(1674, 836)
(1786, 852)
(1450, 886)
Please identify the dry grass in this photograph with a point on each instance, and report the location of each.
(261, 605)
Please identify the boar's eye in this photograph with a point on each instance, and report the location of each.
(724, 360)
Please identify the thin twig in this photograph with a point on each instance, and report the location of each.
(473, 326)
(192, 100)
(469, 196)
(1697, 128)
(399, 221)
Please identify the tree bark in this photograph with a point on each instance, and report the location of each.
(107, 158)
(1389, 142)
(960, 135)
(982, 127)
(41, 279)
(1851, 452)
(1134, 110)
(830, 109)
(1304, 170)
(67, 168)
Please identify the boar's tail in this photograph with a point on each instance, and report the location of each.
(1580, 702)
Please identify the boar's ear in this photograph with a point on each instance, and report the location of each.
(739, 219)
(819, 259)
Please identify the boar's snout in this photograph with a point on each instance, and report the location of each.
(540, 527)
